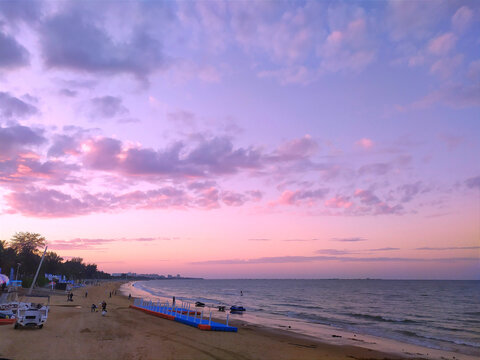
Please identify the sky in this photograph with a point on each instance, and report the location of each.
(234, 139)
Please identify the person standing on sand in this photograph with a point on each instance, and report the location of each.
(173, 301)
(129, 296)
(86, 294)
(104, 306)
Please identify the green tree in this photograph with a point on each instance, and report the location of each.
(26, 245)
(8, 257)
(74, 268)
(53, 263)
(26, 242)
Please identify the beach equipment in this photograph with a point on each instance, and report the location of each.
(237, 309)
(32, 314)
(181, 314)
(8, 313)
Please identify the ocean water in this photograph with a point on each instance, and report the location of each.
(436, 314)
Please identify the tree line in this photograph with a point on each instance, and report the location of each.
(24, 251)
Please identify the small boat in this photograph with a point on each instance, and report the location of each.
(7, 321)
(199, 304)
(8, 313)
(237, 309)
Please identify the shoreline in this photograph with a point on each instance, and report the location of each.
(329, 334)
(73, 331)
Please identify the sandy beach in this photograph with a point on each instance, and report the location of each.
(74, 332)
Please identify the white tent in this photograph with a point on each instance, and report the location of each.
(3, 279)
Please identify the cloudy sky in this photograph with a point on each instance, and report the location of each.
(245, 139)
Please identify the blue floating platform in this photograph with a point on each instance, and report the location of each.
(183, 316)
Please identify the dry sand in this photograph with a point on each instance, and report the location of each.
(73, 332)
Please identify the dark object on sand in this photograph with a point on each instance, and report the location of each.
(237, 309)
(221, 308)
(199, 304)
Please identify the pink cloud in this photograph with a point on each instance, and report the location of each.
(446, 67)
(364, 143)
(291, 75)
(233, 199)
(36, 202)
(474, 71)
(442, 44)
(347, 49)
(462, 19)
(93, 244)
(300, 197)
(371, 203)
(339, 202)
(453, 95)
(414, 19)
(298, 148)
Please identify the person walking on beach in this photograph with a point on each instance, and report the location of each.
(129, 296)
(86, 294)
(104, 306)
(93, 308)
(173, 301)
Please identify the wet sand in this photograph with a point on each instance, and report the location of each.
(74, 332)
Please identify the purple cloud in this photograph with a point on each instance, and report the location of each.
(307, 259)
(64, 145)
(298, 197)
(233, 199)
(352, 252)
(68, 93)
(41, 202)
(73, 41)
(93, 244)
(375, 169)
(107, 107)
(296, 149)
(215, 156)
(409, 191)
(449, 248)
(372, 204)
(103, 154)
(13, 55)
(17, 137)
(12, 107)
(218, 156)
(473, 182)
(353, 239)
(13, 11)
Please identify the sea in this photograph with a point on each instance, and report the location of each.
(435, 314)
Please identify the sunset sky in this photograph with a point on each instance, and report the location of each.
(237, 139)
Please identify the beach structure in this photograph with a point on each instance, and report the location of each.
(183, 314)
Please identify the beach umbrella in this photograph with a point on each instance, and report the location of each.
(3, 279)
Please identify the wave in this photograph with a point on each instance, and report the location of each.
(381, 318)
(298, 306)
(474, 313)
(439, 338)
